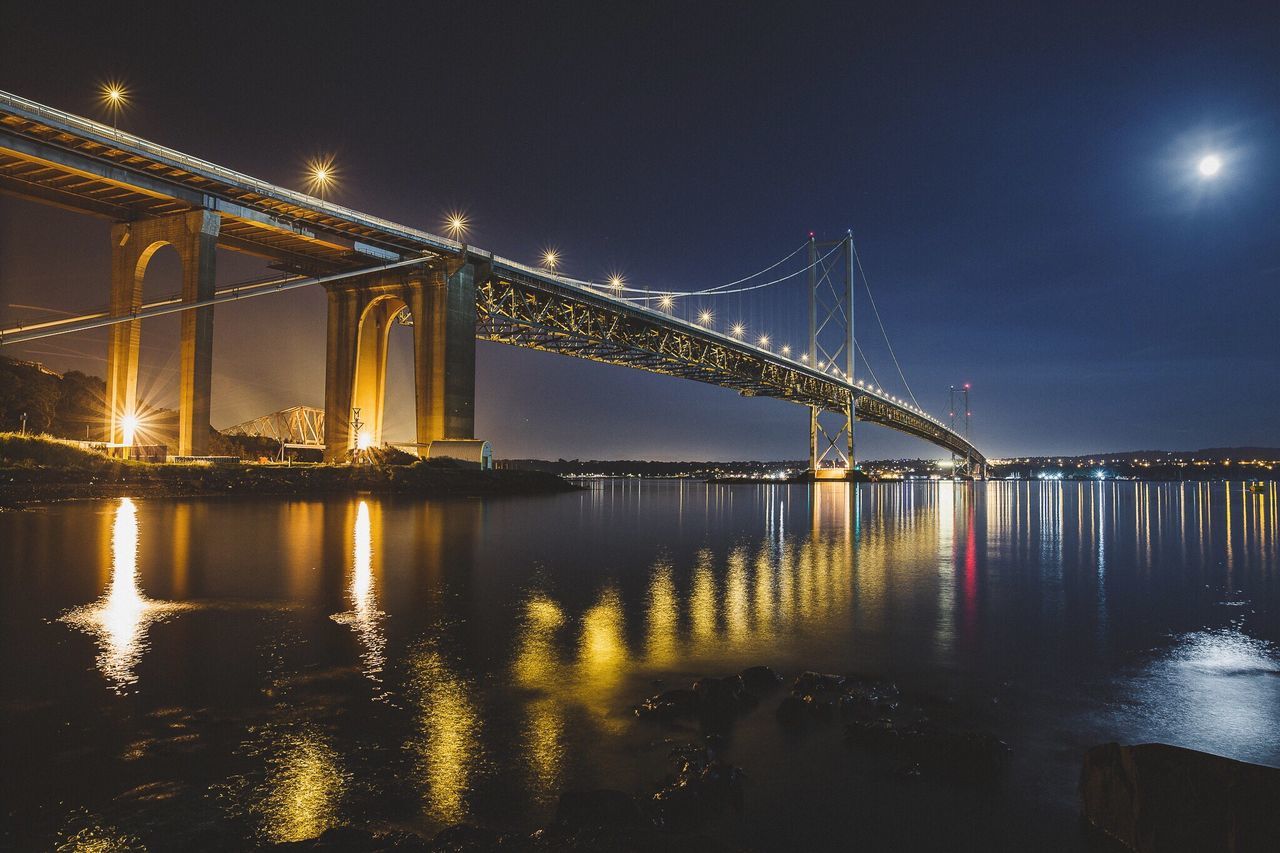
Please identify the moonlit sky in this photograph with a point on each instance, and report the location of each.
(1022, 182)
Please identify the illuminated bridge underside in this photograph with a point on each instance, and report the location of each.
(524, 311)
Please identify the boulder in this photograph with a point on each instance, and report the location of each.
(760, 680)
(817, 682)
(669, 705)
(722, 696)
(1154, 797)
(702, 787)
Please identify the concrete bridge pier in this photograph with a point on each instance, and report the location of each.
(442, 305)
(194, 235)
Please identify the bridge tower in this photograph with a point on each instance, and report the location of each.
(194, 235)
(438, 301)
(832, 349)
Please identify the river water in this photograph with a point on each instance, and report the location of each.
(220, 673)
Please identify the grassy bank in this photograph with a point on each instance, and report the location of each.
(37, 469)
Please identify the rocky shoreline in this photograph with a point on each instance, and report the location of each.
(1145, 798)
(701, 784)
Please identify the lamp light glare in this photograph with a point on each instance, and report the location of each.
(129, 428)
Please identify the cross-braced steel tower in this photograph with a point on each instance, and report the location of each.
(832, 350)
(961, 466)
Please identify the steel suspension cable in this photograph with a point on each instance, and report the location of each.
(681, 293)
(867, 364)
(716, 289)
(866, 284)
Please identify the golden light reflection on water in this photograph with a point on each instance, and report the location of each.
(602, 646)
(663, 618)
(735, 596)
(120, 618)
(702, 599)
(97, 838)
(536, 661)
(544, 744)
(447, 744)
(303, 788)
(364, 617)
(537, 667)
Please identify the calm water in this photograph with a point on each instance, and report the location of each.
(216, 673)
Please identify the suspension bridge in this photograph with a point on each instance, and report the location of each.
(378, 274)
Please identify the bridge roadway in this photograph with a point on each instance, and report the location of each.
(83, 165)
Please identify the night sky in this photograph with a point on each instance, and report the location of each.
(1021, 182)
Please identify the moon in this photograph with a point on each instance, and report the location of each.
(1209, 165)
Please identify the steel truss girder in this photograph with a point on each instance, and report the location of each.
(299, 425)
(527, 314)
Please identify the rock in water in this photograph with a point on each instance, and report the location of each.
(1154, 797)
(669, 705)
(760, 679)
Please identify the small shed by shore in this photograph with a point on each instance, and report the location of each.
(464, 450)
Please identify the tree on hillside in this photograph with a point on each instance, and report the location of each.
(81, 410)
(27, 389)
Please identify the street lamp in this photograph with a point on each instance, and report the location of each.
(550, 258)
(322, 175)
(115, 96)
(456, 224)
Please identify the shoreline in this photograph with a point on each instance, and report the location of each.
(25, 487)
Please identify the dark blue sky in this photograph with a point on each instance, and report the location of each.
(1020, 179)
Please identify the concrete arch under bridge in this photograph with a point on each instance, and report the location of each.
(438, 303)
